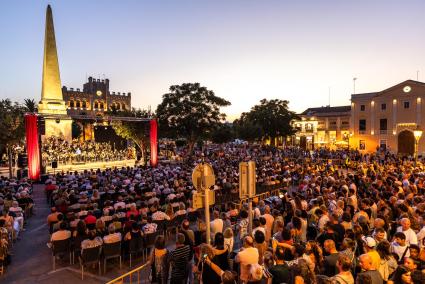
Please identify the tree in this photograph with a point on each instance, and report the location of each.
(272, 118)
(12, 127)
(133, 130)
(190, 111)
(247, 130)
(30, 105)
(222, 134)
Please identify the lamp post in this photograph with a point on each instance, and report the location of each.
(417, 133)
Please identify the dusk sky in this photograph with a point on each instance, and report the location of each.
(242, 50)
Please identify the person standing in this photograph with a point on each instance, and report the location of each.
(365, 262)
(247, 256)
(179, 258)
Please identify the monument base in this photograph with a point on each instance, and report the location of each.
(60, 126)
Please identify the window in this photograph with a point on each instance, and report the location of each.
(71, 103)
(383, 124)
(362, 125)
(406, 104)
(362, 107)
(78, 104)
(362, 145)
(383, 106)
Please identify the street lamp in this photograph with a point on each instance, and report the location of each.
(417, 133)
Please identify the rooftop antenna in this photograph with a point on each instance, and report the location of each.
(329, 96)
(354, 85)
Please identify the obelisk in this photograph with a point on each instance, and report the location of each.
(52, 106)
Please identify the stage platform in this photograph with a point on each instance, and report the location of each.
(89, 166)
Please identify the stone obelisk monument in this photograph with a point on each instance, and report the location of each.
(52, 106)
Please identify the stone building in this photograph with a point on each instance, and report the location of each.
(388, 118)
(95, 98)
(323, 127)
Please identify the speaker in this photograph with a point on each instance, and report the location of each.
(41, 126)
(54, 164)
(22, 160)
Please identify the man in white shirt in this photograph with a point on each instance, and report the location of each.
(216, 225)
(246, 256)
(411, 238)
(399, 246)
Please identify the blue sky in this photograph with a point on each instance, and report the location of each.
(243, 50)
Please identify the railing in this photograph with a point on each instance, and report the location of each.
(131, 275)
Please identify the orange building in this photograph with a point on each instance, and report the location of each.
(388, 119)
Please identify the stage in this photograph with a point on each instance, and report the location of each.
(89, 166)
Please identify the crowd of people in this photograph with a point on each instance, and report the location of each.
(64, 152)
(340, 217)
(16, 205)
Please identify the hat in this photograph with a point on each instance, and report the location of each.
(369, 241)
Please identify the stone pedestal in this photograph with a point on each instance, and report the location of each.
(60, 127)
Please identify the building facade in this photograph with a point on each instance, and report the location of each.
(323, 127)
(95, 98)
(387, 119)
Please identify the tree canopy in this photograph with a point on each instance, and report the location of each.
(12, 126)
(132, 130)
(269, 119)
(190, 111)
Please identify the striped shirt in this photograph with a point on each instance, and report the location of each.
(179, 259)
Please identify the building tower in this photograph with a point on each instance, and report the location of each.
(52, 106)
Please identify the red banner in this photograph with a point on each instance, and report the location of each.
(154, 142)
(33, 150)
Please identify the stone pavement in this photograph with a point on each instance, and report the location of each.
(32, 260)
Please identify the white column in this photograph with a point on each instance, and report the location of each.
(418, 110)
(372, 117)
(394, 116)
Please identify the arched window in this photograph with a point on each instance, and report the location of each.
(84, 104)
(101, 105)
(78, 104)
(123, 106)
(71, 103)
(96, 105)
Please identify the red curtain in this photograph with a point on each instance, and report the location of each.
(154, 142)
(33, 150)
